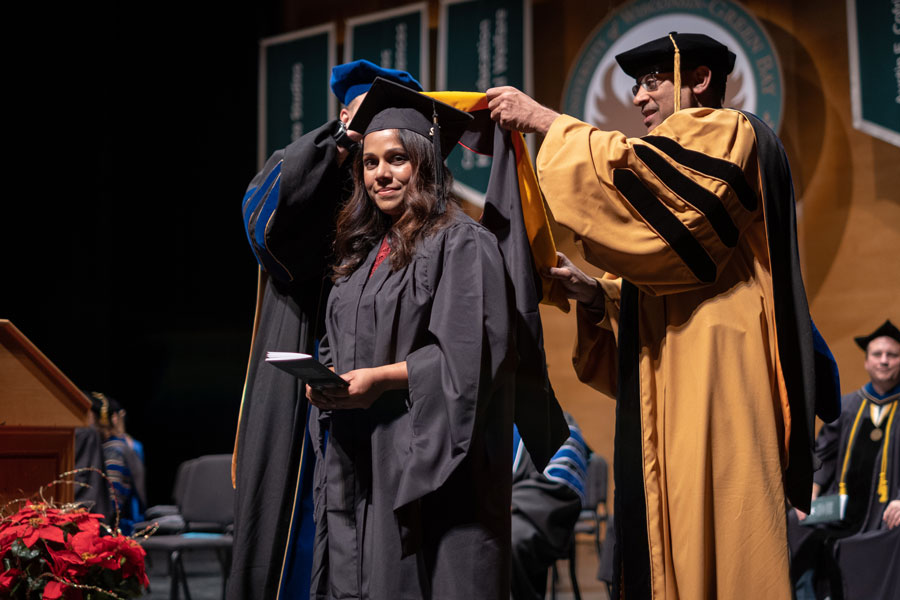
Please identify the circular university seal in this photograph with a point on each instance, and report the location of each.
(599, 92)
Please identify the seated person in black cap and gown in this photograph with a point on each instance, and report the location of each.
(700, 327)
(289, 214)
(861, 464)
(852, 448)
(414, 470)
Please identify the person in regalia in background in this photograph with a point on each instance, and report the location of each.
(861, 464)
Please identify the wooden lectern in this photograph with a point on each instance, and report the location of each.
(39, 411)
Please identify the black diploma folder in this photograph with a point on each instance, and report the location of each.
(826, 509)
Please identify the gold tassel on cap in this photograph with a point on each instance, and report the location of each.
(677, 71)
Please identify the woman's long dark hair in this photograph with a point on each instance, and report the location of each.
(361, 225)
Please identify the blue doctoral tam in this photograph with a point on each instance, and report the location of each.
(351, 79)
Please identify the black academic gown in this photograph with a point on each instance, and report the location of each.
(289, 212)
(544, 513)
(832, 444)
(413, 493)
(861, 554)
(93, 490)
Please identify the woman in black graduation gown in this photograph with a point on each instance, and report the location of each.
(413, 486)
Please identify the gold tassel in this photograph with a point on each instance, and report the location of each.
(882, 476)
(677, 72)
(842, 485)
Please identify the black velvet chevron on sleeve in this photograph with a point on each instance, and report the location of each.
(701, 198)
(728, 172)
(666, 224)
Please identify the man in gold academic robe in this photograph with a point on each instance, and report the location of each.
(700, 327)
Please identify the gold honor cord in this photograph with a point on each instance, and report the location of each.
(882, 477)
(677, 73)
(842, 487)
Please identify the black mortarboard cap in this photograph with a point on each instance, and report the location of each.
(659, 55)
(887, 329)
(389, 105)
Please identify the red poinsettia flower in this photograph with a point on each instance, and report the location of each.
(54, 590)
(132, 558)
(31, 531)
(73, 551)
(89, 522)
(94, 550)
(46, 513)
(7, 536)
(7, 578)
(68, 564)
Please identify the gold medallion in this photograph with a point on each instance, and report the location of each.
(876, 434)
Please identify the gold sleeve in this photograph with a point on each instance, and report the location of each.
(664, 211)
(594, 357)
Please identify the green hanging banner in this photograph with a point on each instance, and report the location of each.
(294, 86)
(873, 33)
(394, 39)
(481, 44)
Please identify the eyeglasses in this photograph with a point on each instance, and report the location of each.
(649, 82)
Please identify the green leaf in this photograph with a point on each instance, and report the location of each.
(20, 550)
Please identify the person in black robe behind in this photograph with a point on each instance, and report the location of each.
(414, 473)
(860, 459)
(546, 505)
(289, 211)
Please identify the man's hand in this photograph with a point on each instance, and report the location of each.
(517, 111)
(343, 153)
(577, 284)
(891, 515)
(816, 489)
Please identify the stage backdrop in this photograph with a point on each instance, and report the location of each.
(481, 44)
(294, 92)
(795, 59)
(128, 260)
(846, 182)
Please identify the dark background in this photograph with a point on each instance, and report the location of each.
(131, 132)
(131, 138)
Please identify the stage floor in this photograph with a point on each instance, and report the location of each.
(205, 576)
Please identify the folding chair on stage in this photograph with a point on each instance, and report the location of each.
(593, 515)
(207, 508)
